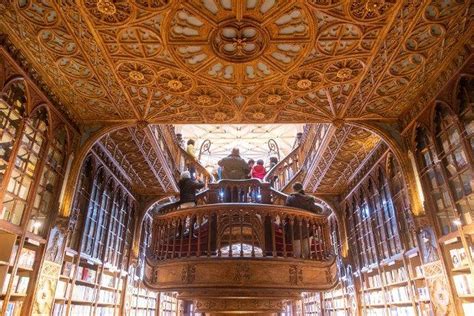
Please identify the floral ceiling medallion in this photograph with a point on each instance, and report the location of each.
(239, 43)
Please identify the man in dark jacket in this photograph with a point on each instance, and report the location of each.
(234, 167)
(187, 190)
(302, 238)
(300, 200)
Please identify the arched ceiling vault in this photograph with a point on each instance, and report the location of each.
(242, 61)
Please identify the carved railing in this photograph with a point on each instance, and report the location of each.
(239, 230)
(283, 172)
(179, 159)
(239, 191)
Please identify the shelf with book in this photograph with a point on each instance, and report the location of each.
(312, 303)
(458, 250)
(16, 271)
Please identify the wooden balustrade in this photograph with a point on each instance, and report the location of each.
(243, 230)
(283, 172)
(240, 191)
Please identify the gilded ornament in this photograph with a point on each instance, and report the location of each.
(344, 74)
(239, 41)
(136, 75)
(106, 7)
(174, 85)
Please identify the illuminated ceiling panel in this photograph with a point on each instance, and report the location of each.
(252, 140)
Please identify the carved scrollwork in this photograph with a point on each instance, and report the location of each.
(188, 274)
(370, 10)
(74, 67)
(295, 275)
(136, 73)
(39, 12)
(204, 96)
(304, 80)
(152, 5)
(58, 41)
(344, 70)
(340, 38)
(112, 12)
(174, 82)
(274, 96)
(140, 42)
(238, 49)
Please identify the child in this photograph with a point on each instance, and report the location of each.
(259, 171)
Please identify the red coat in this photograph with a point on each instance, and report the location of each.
(259, 172)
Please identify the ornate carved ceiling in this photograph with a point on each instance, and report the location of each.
(236, 61)
(242, 61)
(133, 151)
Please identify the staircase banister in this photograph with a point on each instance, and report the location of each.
(200, 168)
(173, 205)
(279, 165)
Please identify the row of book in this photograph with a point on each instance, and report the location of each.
(333, 293)
(335, 303)
(13, 308)
(139, 301)
(374, 281)
(459, 257)
(26, 259)
(20, 284)
(374, 297)
(464, 284)
(396, 275)
(59, 309)
(83, 293)
(397, 294)
(108, 297)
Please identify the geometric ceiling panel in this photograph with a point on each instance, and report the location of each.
(249, 61)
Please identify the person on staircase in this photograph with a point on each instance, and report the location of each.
(259, 171)
(187, 190)
(190, 149)
(302, 238)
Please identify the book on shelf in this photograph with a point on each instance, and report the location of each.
(59, 309)
(458, 257)
(68, 269)
(464, 284)
(13, 254)
(80, 310)
(5, 283)
(61, 288)
(14, 308)
(423, 293)
(27, 258)
(22, 284)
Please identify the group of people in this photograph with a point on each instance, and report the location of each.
(236, 168)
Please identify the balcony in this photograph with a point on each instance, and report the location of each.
(237, 251)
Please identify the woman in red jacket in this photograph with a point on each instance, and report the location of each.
(259, 171)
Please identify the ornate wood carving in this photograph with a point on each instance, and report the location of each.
(288, 61)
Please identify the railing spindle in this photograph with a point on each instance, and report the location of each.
(191, 228)
(199, 221)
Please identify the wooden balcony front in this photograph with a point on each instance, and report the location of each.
(240, 251)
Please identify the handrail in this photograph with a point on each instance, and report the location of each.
(180, 157)
(282, 173)
(201, 172)
(239, 230)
